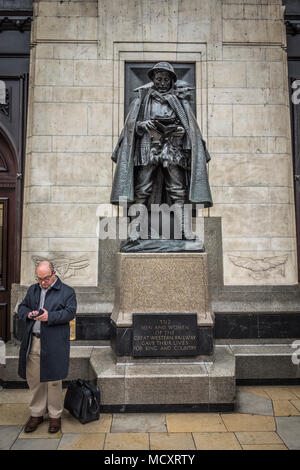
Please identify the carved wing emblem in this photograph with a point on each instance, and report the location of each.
(65, 267)
(259, 267)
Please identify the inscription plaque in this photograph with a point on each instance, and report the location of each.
(164, 334)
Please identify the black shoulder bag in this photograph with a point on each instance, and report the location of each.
(82, 400)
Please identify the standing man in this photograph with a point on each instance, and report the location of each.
(45, 348)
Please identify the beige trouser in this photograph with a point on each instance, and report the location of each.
(46, 395)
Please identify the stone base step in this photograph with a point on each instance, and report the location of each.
(270, 361)
(263, 362)
(200, 383)
(80, 354)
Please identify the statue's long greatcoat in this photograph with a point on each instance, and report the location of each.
(123, 156)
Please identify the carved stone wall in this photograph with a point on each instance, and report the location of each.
(77, 112)
(68, 169)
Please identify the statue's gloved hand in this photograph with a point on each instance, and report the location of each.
(179, 132)
(145, 126)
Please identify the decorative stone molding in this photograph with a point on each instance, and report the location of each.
(65, 266)
(259, 268)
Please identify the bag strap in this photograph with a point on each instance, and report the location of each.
(84, 383)
(97, 407)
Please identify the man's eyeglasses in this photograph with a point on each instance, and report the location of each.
(44, 278)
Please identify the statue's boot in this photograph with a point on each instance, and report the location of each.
(183, 222)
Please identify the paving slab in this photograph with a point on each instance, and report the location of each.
(195, 422)
(172, 441)
(253, 389)
(296, 403)
(35, 444)
(258, 437)
(285, 408)
(265, 447)
(295, 389)
(288, 429)
(246, 422)
(82, 442)
(139, 422)
(8, 435)
(13, 414)
(216, 441)
(247, 402)
(124, 441)
(15, 396)
(280, 393)
(71, 425)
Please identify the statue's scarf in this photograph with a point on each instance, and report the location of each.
(174, 103)
(123, 155)
(170, 98)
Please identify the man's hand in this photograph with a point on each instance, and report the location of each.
(31, 314)
(43, 317)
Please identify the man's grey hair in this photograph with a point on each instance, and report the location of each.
(51, 266)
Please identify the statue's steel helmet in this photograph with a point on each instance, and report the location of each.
(162, 66)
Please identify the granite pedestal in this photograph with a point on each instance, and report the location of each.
(161, 284)
(162, 354)
(194, 384)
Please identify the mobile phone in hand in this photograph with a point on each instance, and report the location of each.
(41, 311)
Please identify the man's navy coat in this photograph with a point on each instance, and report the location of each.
(60, 302)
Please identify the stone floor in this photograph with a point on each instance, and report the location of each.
(266, 418)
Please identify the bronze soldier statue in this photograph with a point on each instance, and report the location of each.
(160, 154)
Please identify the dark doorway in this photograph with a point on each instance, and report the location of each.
(12, 162)
(8, 216)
